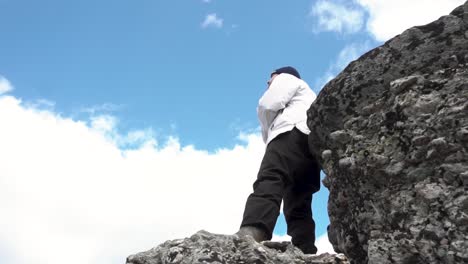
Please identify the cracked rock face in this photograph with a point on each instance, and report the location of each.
(391, 134)
(205, 247)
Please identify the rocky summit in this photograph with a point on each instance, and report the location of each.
(205, 247)
(391, 134)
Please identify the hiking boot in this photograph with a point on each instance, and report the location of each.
(257, 233)
(307, 248)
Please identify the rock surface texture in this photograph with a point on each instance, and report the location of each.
(391, 134)
(204, 247)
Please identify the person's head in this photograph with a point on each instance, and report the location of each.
(287, 69)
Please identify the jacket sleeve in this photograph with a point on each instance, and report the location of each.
(280, 92)
(266, 118)
(274, 100)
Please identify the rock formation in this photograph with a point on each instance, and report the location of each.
(204, 247)
(391, 133)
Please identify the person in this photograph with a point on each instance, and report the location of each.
(288, 171)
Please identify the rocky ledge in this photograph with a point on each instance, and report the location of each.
(205, 247)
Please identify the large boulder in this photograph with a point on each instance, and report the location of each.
(205, 247)
(391, 134)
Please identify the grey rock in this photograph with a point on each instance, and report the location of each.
(340, 137)
(399, 85)
(462, 134)
(429, 191)
(326, 154)
(345, 162)
(396, 121)
(464, 178)
(420, 140)
(205, 247)
(395, 169)
(377, 160)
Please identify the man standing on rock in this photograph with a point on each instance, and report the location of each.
(288, 171)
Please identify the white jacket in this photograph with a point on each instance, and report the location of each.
(284, 106)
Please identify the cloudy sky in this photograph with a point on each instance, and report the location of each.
(127, 123)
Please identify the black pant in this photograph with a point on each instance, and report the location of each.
(290, 173)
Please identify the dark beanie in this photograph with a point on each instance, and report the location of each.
(287, 69)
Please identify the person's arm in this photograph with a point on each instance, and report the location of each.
(275, 99)
(280, 92)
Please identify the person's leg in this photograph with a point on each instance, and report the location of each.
(298, 197)
(263, 205)
(298, 214)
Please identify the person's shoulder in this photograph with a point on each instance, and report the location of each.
(305, 88)
(287, 79)
(302, 83)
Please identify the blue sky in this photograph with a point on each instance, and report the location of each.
(153, 57)
(156, 93)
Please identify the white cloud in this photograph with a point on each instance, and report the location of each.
(212, 20)
(322, 243)
(107, 107)
(348, 54)
(103, 123)
(385, 18)
(389, 18)
(41, 103)
(5, 85)
(67, 189)
(206, 1)
(333, 16)
(280, 238)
